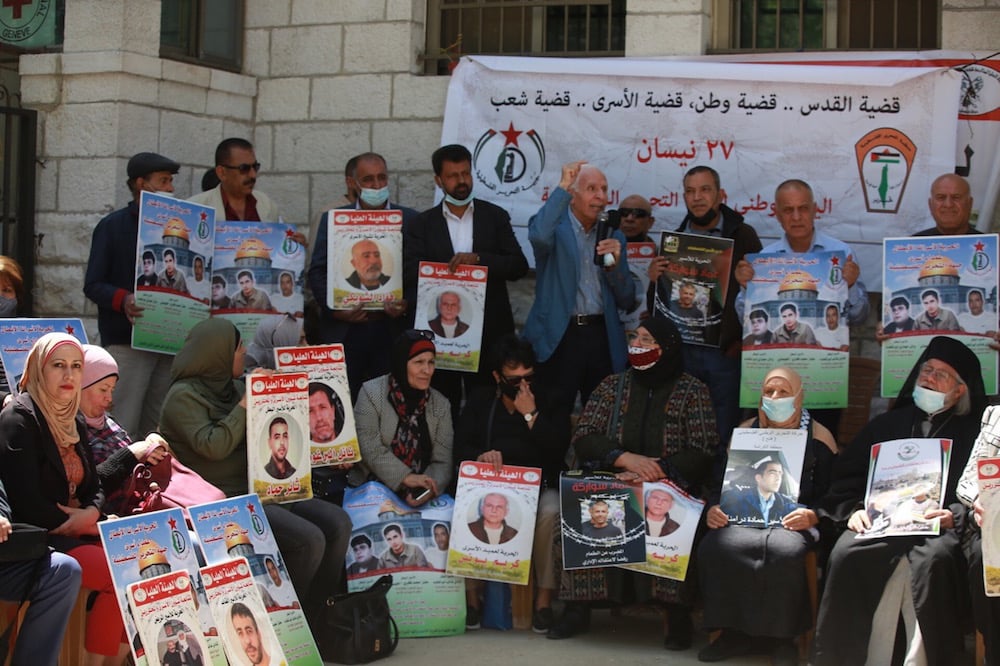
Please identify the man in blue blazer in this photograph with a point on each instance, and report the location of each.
(573, 323)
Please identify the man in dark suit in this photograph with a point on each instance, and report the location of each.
(448, 324)
(462, 230)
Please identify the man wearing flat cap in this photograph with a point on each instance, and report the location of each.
(110, 279)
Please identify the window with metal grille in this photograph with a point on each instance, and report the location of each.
(519, 27)
(205, 32)
(803, 25)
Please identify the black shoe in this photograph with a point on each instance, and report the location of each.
(730, 644)
(471, 618)
(541, 620)
(680, 629)
(575, 620)
(785, 654)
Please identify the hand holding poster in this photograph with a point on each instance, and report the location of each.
(938, 285)
(601, 521)
(794, 316)
(277, 427)
(989, 497)
(494, 524)
(452, 306)
(671, 517)
(333, 440)
(692, 290)
(764, 468)
(906, 479)
(366, 259)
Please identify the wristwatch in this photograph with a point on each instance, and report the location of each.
(530, 416)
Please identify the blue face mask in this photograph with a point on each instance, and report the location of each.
(928, 401)
(8, 306)
(458, 202)
(778, 410)
(375, 198)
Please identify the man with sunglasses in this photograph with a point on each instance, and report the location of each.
(235, 198)
(636, 218)
(718, 367)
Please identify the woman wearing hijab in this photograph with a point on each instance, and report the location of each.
(404, 426)
(872, 582)
(51, 480)
(662, 427)
(752, 579)
(277, 331)
(205, 420)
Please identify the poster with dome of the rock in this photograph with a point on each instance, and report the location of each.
(172, 261)
(937, 285)
(257, 273)
(795, 316)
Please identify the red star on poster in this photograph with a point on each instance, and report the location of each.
(835, 261)
(289, 233)
(511, 134)
(250, 507)
(204, 216)
(979, 246)
(172, 522)
(69, 329)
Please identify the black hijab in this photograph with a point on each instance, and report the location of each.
(671, 362)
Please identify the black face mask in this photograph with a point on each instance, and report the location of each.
(705, 219)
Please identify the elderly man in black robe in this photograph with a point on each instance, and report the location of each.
(871, 583)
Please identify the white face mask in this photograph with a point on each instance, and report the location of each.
(375, 197)
(928, 400)
(778, 410)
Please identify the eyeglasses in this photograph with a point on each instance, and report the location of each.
(516, 380)
(243, 168)
(418, 334)
(634, 212)
(927, 370)
(636, 340)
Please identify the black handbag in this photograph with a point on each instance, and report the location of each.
(359, 627)
(25, 542)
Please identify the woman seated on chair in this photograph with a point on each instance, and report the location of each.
(404, 426)
(753, 580)
(51, 480)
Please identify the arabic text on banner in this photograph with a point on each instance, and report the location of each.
(906, 479)
(481, 493)
(261, 269)
(164, 610)
(794, 292)
(763, 460)
(412, 544)
(692, 291)
(938, 285)
(333, 439)
(142, 546)
(670, 535)
(172, 234)
(364, 246)
(459, 345)
(601, 521)
(278, 449)
(238, 527)
(17, 336)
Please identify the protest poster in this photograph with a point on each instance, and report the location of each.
(18, 335)
(366, 259)
(494, 522)
(412, 544)
(333, 439)
(795, 316)
(601, 521)
(237, 527)
(671, 519)
(906, 479)
(278, 456)
(165, 611)
(692, 291)
(938, 285)
(177, 237)
(452, 306)
(240, 616)
(763, 462)
(257, 272)
(988, 473)
(146, 545)
(639, 257)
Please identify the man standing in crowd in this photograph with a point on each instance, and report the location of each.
(365, 334)
(951, 207)
(573, 323)
(145, 376)
(636, 218)
(463, 230)
(236, 197)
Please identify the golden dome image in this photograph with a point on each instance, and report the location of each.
(235, 536)
(798, 280)
(253, 248)
(151, 553)
(175, 228)
(938, 265)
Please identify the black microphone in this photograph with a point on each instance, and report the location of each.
(607, 222)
